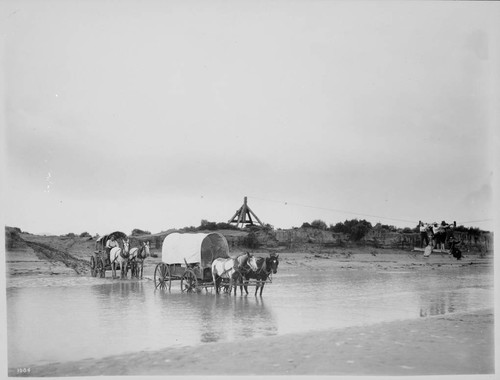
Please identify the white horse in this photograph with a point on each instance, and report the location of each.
(230, 269)
(137, 257)
(120, 256)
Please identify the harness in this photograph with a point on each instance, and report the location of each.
(139, 253)
(123, 255)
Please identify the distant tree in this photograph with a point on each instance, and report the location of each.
(251, 240)
(306, 225)
(213, 226)
(226, 226)
(318, 224)
(137, 231)
(85, 234)
(268, 227)
(385, 227)
(360, 229)
(339, 228)
(356, 229)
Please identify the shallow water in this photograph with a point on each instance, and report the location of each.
(54, 319)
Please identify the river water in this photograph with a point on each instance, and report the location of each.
(51, 319)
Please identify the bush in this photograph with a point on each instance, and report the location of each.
(356, 229)
(212, 226)
(360, 229)
(251, 240)
(319, 224)
(407, 230)
(85, 235)
(137, 231)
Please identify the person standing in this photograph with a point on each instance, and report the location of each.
(424, 234)
(449, 233)
(434, 230)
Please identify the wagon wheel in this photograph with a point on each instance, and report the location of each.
(189, 282)
(100, 269)
(162, 277)
(93, 269)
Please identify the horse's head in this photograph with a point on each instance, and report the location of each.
(272, 262)
(145, 249)
(247, 260)
(126, 248)
(252, 262)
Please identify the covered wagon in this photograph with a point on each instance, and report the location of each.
(100, 260)
(188, 257)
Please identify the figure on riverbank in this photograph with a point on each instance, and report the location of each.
(454, 250)
(424, 234)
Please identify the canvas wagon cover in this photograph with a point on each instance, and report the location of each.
(194, 248)
(119, 236)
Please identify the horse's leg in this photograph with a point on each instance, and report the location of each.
(124, 268)
(262, 288)
(245, 286)
(215, 283)
(113, 269)
(257, 286)
(242, 280)
(142, 268)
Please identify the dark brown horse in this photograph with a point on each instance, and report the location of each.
(265, 266)
(137, 257)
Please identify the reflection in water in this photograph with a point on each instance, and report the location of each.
(85, 319)
(437, 304)
(233, 318)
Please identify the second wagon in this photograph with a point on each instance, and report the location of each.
(188, 257)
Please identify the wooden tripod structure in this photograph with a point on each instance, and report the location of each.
(244, 216)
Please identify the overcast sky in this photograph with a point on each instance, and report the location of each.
(158, 114)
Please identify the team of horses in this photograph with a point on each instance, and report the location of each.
(122, 257)
(240, 270)
(226, 272)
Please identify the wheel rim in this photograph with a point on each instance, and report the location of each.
(188, 282)
(162, 276)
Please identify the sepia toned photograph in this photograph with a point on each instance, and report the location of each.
(249, 188)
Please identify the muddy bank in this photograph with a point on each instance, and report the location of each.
(442, 345)
(33, 256)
